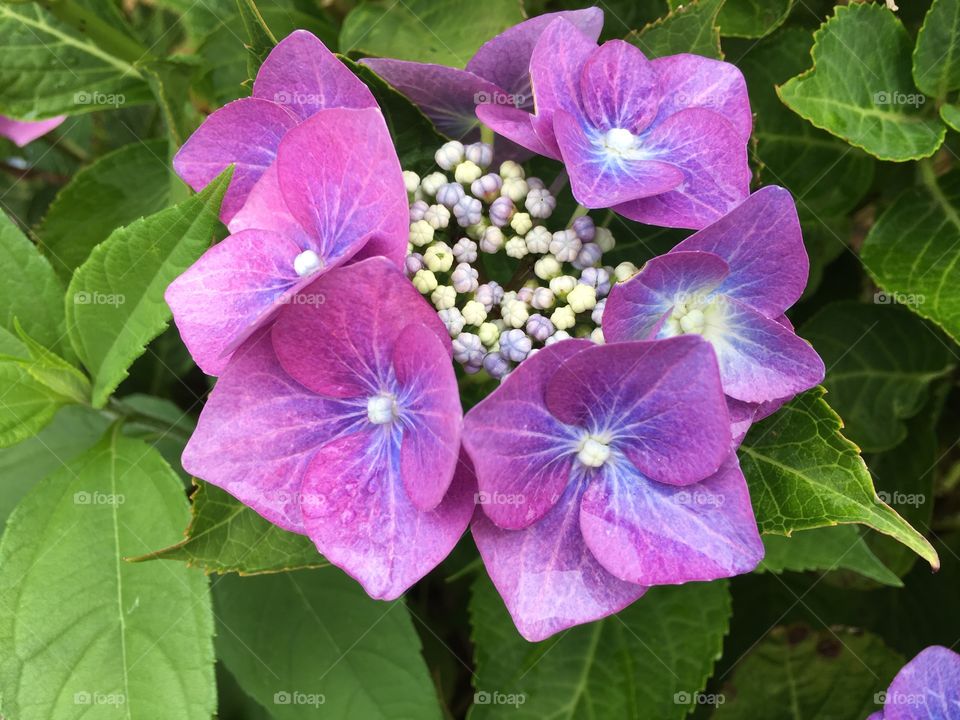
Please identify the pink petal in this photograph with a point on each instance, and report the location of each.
(515, 125)
(619, 87)
(22, 132)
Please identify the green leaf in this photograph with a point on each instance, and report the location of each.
(860, 87)
(30, 291)
(796, 674)
(913, 250)
(413, 134)
(825, 549)
(115, 301)
(690, 28)
(48, 68)
(82, 627)
(936, 57)
(646, 662)
(312, 642)
(950, 114)
(825, 174)
(753, 18)
(881, 360)
(445, 32)
(113, 191)
(226, 536)
(52, 371)
(26, 404)
(804, 474)
(260, 40)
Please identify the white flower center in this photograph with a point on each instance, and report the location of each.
(307, 263)
(701, 317)
(382, 409)
(619, 140)
(594, 451)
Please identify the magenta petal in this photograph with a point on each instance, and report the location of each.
(742, 417)
(649, 397)
(689, 81)
(22, 132)
(448, 96)
(653, 534)
(926, 688)
(600, 178)
(522, 455)
(619, 88)
(357, 513)
(545, 574)
(515, 125)
(713, 157)
(301, 74)
(233, 289)
(635, 309)
(505, 59)
(258, 431)
(761, 241)
(244, 133)
(555, 68)
(265, 209)
(432, 416)
(341, 179)
(760, 359)
(341, 342)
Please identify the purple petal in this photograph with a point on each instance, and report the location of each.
(505, 59)
(926, 688)
(515, 125)
(761, 241)
(653, 534)
(555, 68)
(265, 209)
(339, 340)
(742, 417)
(713, 157)
(258, 431)
(688, 81)
(647, 396)
(601, 177)
(446, 95)
(432, 416)
(245, 133)
(637, 309)
(357, 513)
(876, 716)
(301, 74)
(761, 360)
(22, 132)
(521, 453)
(234, 288)
(619, 88)
(545, 574)
(341, 179)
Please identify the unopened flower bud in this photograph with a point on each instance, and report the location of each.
(563, 318)
(597, 314)
(464, 278)
(514, 313)
(501, 210)
(557, 337)
(432, 182)
(421, 233)
(479, 153)
(547, 267)
(588, 256)
(604, 238)
(597, 278)
(438, 216)
(474, 313)
(465, 250)
(565, 245)
(539, 327)
(438, 257)
(489, 294)
(543, 298)
(443, 297)
(411, 181)
(516, 247)
(514, 188)
(417, 210)
(525, 294)
(449, 194)
(511, 169)
(467, 172)
(535, 183)
(540, 203)
(584, 228)
(562, 284)
(453, 320)
(582, 298)
(522, 223)
(624, 271)
(489, 334)
(468, 210)
(487, 187)
(515, 345)
(413, 263)
(538, 240)
(597, 336)
(467, 349)
(450, 155)
(425, 281)
(492, 239)
(495, 364)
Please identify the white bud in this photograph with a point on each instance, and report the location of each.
(438, 257)
(547, 267)
(467, 172)
(604, 238)
(565, 245)
(411, 181)
(516, 247)
(480, 153)
(514, 313)
(521, 222)
(465, 250)
(474, 313)
(514, 188)
(453, 320)
(557, 337)
(538, 240)
(624, 271)
(307, 263)
(563, 318)
(562, 285)
(449, 155)
(443, 297)
(437, 216)
(464, 278)
(511, 169)
(492, 239)
(597, 336)
(424, 281)
(543, 298)
(421, 233)
(432, 182)
(582, 298)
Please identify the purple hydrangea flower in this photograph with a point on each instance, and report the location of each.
(661, 141)
(335, 193)
(496, 75)
(926, 688)
(298, 78)
(342, 422)
(22, 132)
(604, 469)
(731, 284)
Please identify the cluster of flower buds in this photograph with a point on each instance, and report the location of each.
(559, 285)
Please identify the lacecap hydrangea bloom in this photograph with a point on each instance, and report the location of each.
(926, 688)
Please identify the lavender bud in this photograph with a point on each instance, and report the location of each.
(597, 314)
(450, 194)
(464, 278)
(535, 183)
(467, 349)
(465, 250)
(413, 263)
(565, 245)
(487, 187)
(490, 294)
(449, 155)
(496, 364)
(539, 327)
(417, 210)
(479, 153)
(453, 320)
(468, 211)
(540, 203)
(525, 294)
(589, 255)
(543, 298)
(501, 210)
(584, 228)
(515, 345)
(597, 278)
(492, 239)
